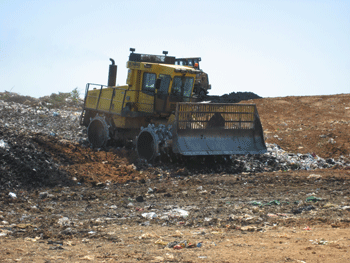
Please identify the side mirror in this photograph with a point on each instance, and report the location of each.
(158, 82)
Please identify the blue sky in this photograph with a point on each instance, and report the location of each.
(272, 48)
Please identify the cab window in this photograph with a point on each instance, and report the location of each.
(148, 84)
(164, 84)
(181, 89)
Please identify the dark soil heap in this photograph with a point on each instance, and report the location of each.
(233, 97)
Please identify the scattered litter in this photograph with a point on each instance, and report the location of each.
(179, 244)
(178, 213)
(64, 221)
(139, 198)
(161, 242)
(301, 209)
(3, 144)
(150, 215)
(249, 228)
(12, 195)
(148, 235)
(316, 176)
(313, 199)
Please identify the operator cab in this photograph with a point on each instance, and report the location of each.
(190, 62)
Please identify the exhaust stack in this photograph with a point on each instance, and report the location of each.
(112, 75)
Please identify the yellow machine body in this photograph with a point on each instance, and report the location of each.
(130, 105)
(158, 108)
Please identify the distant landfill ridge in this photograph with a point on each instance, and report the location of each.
(64, 99)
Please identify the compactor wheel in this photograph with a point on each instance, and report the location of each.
(147, 144)
(151, 141)
(98, 132)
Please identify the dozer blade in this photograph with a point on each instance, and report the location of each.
(217, 129)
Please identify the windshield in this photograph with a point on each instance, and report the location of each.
(149, 81)
(181, 89)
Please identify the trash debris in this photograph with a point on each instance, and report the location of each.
(274, 202)
(161, 242)
(150, 215)
(178, 213)
(272, 215)
(139, 199)
(179, 244)
(12, 195)
(64, 221)
(148, 235)
(172, 244)
(316, 176)
(301, 209)
(3, 144)
(256, 203)
(249, 228)
(43, 195)
(178, 247)
(328, 205)
(313, 199)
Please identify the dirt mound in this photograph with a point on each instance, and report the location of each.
(307, 124)
(23, 164)
(233, 97)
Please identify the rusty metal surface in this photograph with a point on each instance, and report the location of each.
(217, 129)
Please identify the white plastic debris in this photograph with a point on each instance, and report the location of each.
(150, 215)
(3, 144)
(64, 221)
(178, 213)
(12, 195)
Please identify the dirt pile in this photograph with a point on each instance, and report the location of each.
(25, 165)
(308, 124)
(233, 97)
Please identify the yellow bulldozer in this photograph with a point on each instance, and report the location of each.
(159, 111)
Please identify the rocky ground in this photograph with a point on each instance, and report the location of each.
(61, 201)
